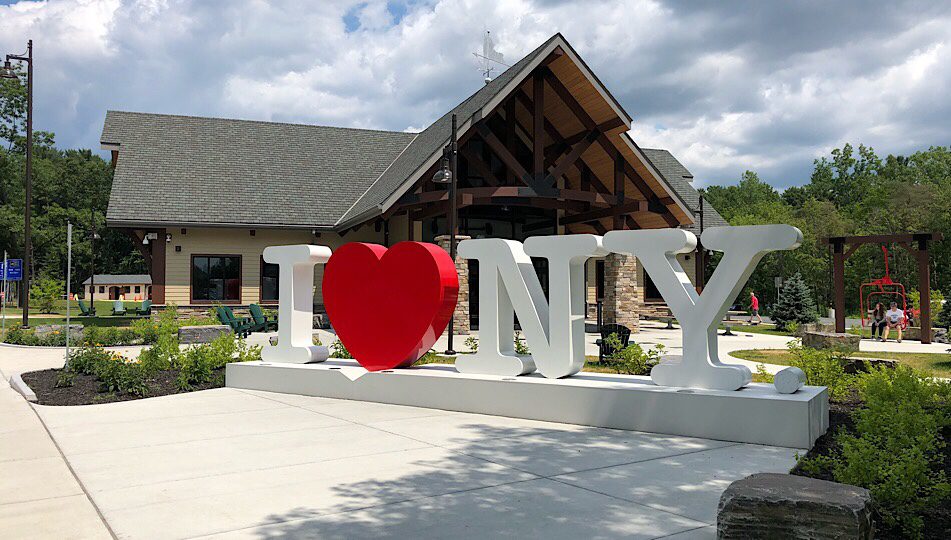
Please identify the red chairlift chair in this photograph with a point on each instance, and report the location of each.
(884, 290)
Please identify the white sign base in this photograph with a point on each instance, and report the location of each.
(755, 414)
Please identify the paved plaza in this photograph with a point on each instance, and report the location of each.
(246, 464)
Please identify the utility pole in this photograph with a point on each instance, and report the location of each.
(8, 73)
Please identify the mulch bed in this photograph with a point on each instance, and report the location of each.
(85, 388)
(937, 521)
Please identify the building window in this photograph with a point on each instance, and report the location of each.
(102, 289)
(651, 293)
(216, 278)
(270, 279)
(138, 289)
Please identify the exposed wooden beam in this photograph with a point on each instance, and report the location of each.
(569, 159)
(569, 100)
(538, 121)
(619, 188)
(500, 150)
(613, 211)
(604, 127)
(480, 165)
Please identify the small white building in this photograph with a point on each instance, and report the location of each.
(133, 287)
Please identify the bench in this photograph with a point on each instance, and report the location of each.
(666, 318)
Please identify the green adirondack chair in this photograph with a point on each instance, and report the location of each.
(145, 308)
(241, 327)
(118, 308)
(86, 311)
(261, 320)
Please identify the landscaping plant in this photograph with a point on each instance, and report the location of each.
(45, 293)
(339, 350)
(632, 359)
(896, 449)
(823, 368)
(795, 304)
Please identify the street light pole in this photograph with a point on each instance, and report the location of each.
(8, 73)
(446, 174)
(453, 149)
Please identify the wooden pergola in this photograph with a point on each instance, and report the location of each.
(915, 243)
(554, 144)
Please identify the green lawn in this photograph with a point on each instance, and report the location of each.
(937, 363)
(104, 315)
(759, 329)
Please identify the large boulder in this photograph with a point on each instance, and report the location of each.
(769, 505)
(831, 340)
(202, 334)
(912, 333)
(853, 365)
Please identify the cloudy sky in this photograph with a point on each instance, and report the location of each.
(726, 86)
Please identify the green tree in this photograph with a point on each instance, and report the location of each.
(795, 304)
(45, 292)
(68, 186)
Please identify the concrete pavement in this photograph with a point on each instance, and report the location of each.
(247, 464)
(39, 496)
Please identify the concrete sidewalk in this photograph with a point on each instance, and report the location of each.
(245, 464)
(39, 496)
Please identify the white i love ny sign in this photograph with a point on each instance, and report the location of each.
(508, 285)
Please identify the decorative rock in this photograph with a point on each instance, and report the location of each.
(789, 380)
(864, 365)
(831, 340)
(769, 505)
(914, 333)
(47, 329)
(202, 334)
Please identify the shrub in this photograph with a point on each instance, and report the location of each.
(472, 343)
(45, 292)
(795, 304)
(896, 450)
(146, 330)
(65, 379)
(195, 367)
(823, 368)
(339, 350)
(632, 360)
(521, 347)
(85, 359)
(937, 300)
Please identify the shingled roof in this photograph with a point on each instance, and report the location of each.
(180, 170)
(679, 178)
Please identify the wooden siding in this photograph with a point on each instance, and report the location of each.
(240, 242)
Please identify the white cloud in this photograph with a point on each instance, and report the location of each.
(723, 87)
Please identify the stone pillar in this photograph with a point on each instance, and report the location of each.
(622, 296)
(461, 315)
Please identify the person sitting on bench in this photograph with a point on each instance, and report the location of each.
(893, 319)
(878, 320)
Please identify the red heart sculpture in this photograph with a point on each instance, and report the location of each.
(388, 306)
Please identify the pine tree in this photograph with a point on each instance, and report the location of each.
(943, 320)
(795, 304)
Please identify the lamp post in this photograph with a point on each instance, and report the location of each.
(8, 73)
(93, 236)
(447, 175)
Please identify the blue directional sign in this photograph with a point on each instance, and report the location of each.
(14, 269)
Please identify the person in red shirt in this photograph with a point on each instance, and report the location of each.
(754, 308)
